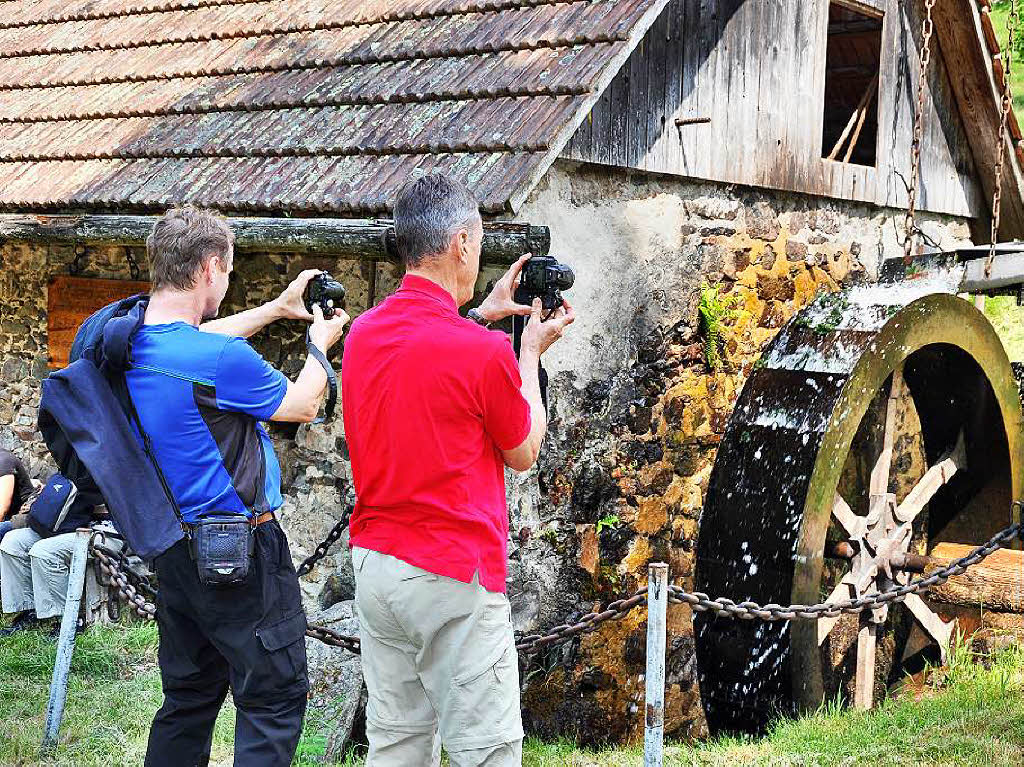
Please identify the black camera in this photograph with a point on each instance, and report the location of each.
(326, 291)
(543, 277)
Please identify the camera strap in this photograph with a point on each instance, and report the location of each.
(518, 325)
(332, 380)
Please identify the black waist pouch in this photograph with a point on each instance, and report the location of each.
(222, 547)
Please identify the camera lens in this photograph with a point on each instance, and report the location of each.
(562, 276)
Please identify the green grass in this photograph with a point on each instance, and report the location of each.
(1000, 12)
(1008, 320)
(970, 714)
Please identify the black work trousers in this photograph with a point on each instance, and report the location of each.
(249, 637)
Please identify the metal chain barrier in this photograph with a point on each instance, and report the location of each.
(559, 634)
(111, 566)
(325, 545)
(927, 28)
(1007, 104)
(727, 608)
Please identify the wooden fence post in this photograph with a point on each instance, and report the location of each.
(657, 610)
(66, 641)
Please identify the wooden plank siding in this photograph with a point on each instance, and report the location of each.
(756, 68)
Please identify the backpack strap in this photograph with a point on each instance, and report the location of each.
(126, 396)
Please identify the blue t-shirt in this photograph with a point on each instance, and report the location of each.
(200, 396)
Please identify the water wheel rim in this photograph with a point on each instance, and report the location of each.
(932, 320)
(799, 407)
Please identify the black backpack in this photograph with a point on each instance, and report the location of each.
(59, 508)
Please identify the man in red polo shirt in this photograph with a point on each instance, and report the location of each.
(436, 406)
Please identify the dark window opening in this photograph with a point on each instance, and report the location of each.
(852, 60)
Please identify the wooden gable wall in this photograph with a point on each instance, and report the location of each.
(755, 70)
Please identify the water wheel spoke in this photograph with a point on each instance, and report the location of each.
(867, 643)
(880, 474)
(844, 590)
(933, 479)
(930, 621)
(852, 524)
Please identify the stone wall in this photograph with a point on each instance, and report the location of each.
(636, 413)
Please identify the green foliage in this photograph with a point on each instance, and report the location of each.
(1008, 320)
(715, 309)
(1000, 15)
(610, 522)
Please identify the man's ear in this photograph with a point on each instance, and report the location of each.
(211, 264)
(465, 245)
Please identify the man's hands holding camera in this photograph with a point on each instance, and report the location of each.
(546, 324)
(545, 328)
(290, 305)
(499, 303)
(324, 333)
(292, 302)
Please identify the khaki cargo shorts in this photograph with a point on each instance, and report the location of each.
(439, 659)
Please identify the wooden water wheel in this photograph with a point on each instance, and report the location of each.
(882, 424)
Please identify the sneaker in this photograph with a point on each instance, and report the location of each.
(23, 620)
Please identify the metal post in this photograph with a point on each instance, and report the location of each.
(66, 642)
(657, 609)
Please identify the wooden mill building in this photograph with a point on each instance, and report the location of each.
(759, 146)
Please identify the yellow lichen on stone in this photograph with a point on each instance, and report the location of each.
(638, 557)
(651, 516)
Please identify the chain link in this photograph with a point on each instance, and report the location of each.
(1007, 104)
(142, 607)
(333, 638)
(559, 634)
(727, 608)
(325, 545)
(110, 565)
(927, 28)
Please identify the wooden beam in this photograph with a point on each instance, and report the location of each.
(503, 242)
(961, 34)
(863, 113)
(997, 583)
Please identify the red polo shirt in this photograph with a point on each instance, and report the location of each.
(429, 400)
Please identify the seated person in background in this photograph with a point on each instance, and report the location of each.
(15, 488)
(34, 568)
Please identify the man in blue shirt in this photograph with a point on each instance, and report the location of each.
(200, 391)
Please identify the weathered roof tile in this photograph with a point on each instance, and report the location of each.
(307, 106)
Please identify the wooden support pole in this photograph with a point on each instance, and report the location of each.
(66, 642)
(859, 112)
(861, 118)
(657, 613)
(503, 242)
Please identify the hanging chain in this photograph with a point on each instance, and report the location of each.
(927, 28)
(325, 545)
(1007, 105)
(116, 570)
(75, 266)
(133, 264)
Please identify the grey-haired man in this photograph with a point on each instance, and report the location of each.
(436, 407)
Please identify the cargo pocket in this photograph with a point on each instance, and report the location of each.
(485, 700)
(285, 653)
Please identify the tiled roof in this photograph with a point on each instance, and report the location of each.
(304, 106)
